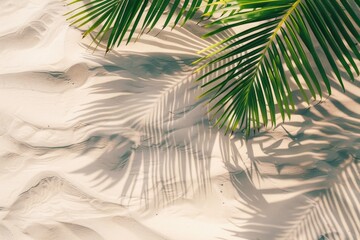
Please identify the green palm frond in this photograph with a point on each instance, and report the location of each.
(248, 71)
(121, 18)
(280, 36)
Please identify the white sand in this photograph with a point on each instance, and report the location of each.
(118, 147)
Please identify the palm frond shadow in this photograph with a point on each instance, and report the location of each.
(149, 124)
(318, 153)
(332, 213)
(157, 136)
(149, 109)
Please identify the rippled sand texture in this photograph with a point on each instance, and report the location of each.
(118, 146)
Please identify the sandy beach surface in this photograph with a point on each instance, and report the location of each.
(96, 147)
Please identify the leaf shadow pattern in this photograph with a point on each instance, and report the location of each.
(301, 181)
(154, 134)
(156, 145)
(154, 137)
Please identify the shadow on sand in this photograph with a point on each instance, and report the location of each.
(301, 179)
(158, 141)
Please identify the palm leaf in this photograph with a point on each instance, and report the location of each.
(280, 35)
(121, 18)
(248, 71)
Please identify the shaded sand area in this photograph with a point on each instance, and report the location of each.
(96, 147)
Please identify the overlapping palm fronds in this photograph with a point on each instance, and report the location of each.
(249, 82)
(281, 35)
